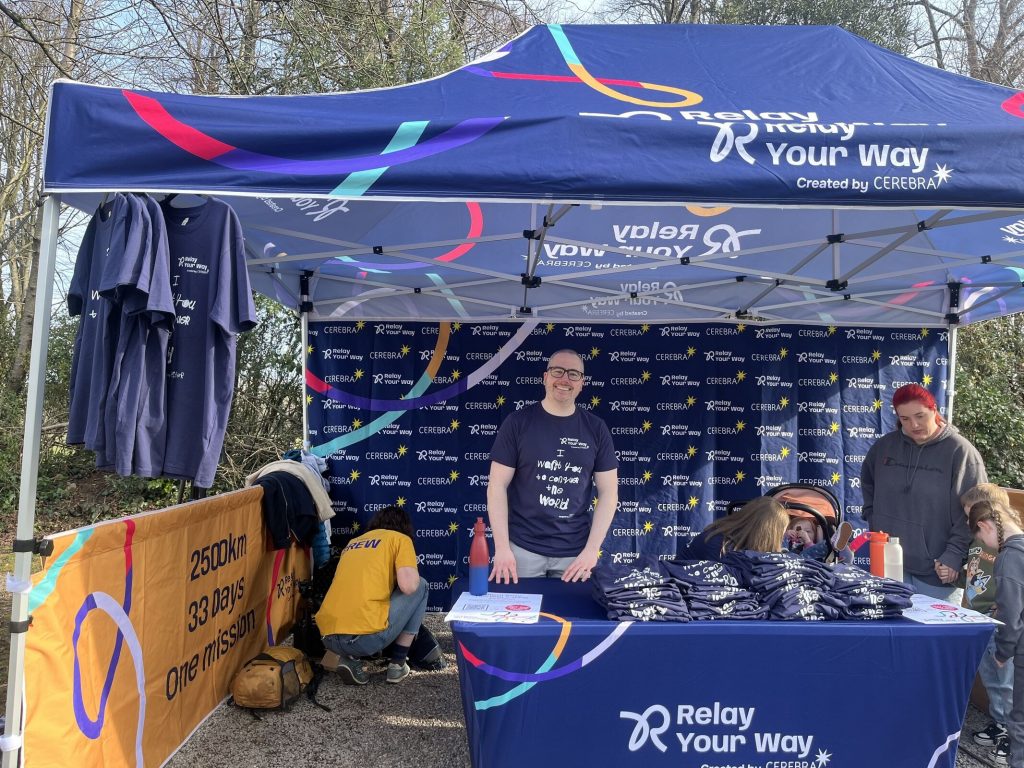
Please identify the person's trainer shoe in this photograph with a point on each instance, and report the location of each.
(349, 670)
(397, 672)
(1001, 754)
(991, 735)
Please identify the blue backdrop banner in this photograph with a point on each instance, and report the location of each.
(701, 415)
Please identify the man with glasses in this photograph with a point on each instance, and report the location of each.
(545, 462)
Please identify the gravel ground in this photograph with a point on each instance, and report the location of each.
(416, 724)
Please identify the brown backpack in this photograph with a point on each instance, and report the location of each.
(272, 680)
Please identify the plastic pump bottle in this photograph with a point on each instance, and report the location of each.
(479, 559)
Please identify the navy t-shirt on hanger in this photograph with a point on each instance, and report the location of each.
(106, 270)
(136, 396)
(212, 304)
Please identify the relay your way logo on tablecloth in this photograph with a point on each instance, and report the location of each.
(697, 730)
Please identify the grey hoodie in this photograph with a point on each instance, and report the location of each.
(913, 491)
(1009, 576)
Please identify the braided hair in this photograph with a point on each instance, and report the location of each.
(996, 513)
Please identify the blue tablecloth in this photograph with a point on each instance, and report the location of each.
(578, 690)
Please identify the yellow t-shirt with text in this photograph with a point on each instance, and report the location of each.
(358, 601)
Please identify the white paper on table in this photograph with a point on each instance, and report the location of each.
(932, 610)
(496, 607)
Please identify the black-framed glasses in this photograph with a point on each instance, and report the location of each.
(558, 372)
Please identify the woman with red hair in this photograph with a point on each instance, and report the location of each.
(912, 480)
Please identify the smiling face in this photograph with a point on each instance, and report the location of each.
(918, 421)
(561, 391)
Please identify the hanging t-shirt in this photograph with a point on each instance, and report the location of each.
(107, 267)
(136, 396)
(212, 304)
(555, 458)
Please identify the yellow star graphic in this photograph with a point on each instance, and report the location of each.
(309, 399)
(358, 374)
(456, 326)
(453, 475)
(453, 527)
(691, 351)
(405, 350)
(456, 375)
(455, 424)
(357, 423)
(309, 350)
(833, 427)
(783, 352)
(645, 328)
(741, 327)
(645, 426)
(741, 376)
(595, 401)
(831, 330)
(785, 451)
(783, 401)
(833, 377)
(500, 400)
(360, 325)
(400, 501)
(741, 425)
(356, 526)
(876, 355)
(594, 352)
(402, 450)
(549, 327)
(740, 474)
(924, 333)
(645, 376)
(691, 401)
(648, 526)
(691, 451)
(353, 475)
(877, 405)
(835, 478)
(648, 475)
(692, 502)
(927, 379)
(451, 579)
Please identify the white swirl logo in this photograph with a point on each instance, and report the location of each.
(643, 730)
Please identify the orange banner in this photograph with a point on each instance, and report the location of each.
(139, 624)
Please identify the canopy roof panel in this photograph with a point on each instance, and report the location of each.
(647, 173)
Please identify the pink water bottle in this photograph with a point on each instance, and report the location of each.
(479, 559)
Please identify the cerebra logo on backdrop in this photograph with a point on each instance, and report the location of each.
(651, 728)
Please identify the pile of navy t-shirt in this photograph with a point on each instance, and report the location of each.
(638, 592)
(866, 596)
(745, 585)
(712, 591)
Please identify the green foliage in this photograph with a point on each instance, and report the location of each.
(989, 396)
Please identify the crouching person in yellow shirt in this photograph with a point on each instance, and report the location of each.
(377, 599)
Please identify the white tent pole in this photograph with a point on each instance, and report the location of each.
(951, 377)
(304, 309)
(13, 728)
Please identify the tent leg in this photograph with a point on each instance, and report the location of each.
(951, 377)
(13, 728)
(304, 308)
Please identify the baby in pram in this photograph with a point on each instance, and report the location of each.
(806, 537)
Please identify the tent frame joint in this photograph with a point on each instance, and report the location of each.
(20, 627)
(986, 259)
(923, 226)
(532, 234)
(378, 250)
(530, 281)
(41, 547)
(953, 318)
(837, 285)
(836, 238)
(684, 260)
